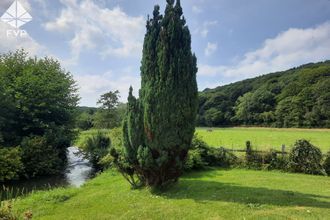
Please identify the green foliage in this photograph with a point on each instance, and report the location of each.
(299, 97)
(159, 126)
(305, 158)
(198, 155)
(194, 160)
(326, 163)
(274, 161)
(116, 136)
(96, 148)
(11, 165)
(39, 157)
(109, 100)
(264, 160)
(108, 116)
(85, 121)
(201, 155)
(38, 98)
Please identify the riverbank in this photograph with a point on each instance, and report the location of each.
(212, 194)
(77, 172)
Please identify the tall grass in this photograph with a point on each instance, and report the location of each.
(10, 193)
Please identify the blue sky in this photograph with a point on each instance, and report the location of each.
(100, 41)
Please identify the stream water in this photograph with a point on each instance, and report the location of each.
(77, 172)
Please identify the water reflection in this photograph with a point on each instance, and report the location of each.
(78, 171)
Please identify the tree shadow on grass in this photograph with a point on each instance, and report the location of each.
(205, 191)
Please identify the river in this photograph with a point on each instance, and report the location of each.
(77, 172)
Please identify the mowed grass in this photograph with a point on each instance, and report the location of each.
(212, 194)
(263, 138)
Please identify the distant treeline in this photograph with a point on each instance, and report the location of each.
(299, 97)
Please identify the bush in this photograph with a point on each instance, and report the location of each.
(305, 158)
(201, 155)
(220, 157)
(40, 157)
(96, 148)
(84, 121)
(194, 160)
(273, 161)
(326, 163)
(10, 163)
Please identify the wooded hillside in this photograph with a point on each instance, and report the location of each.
(299, 97)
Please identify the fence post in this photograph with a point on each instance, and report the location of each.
(283, 150)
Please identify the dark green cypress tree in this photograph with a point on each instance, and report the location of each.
(160, 125)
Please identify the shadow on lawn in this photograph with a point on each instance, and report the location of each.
(204, 191)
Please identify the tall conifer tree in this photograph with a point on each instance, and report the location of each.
(159, 126)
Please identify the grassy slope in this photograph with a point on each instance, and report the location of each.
(264, 138)
(214, 194)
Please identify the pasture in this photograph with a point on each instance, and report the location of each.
(263, 138)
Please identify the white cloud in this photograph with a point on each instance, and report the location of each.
(288, 49)
(210, 49)
(111, 32)
(204, 29)
(92, 86)
(196, 9)
(11, 43)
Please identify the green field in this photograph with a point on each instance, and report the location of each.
(264, 138)
(213, 194)
(261, 138)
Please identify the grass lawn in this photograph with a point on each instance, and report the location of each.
(212, 194)
(264, 138)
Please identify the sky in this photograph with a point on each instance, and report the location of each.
(100, 41)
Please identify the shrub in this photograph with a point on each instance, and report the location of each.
(326, 163)
(10, 163)
(40, 157)
(201, 155)
(305, 158)
(194, 160)
(97, 147)
(274, 161)
(120, 161)
(220, 157)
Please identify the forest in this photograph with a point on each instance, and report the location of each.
(299, 97)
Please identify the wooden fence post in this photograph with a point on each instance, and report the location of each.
(283, 150)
